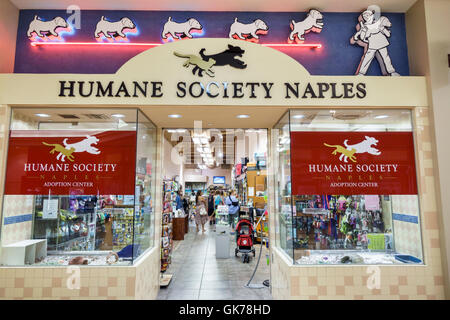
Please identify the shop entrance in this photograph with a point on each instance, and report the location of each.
(215, 212)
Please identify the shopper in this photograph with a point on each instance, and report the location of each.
(218, 201)
(178, 200)
(185, 205)
(233, 208)
(211, 206)
(201, 213)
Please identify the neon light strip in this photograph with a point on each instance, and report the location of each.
(40, 44)
(287, 45)
(142, 44)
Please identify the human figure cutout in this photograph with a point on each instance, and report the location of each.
(373, 36)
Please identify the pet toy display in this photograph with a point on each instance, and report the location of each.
(324, 222)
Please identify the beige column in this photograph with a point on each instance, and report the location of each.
(427, 26)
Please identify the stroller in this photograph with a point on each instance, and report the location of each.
(244, 240)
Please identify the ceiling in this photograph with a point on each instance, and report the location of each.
(351, 120)
(230, 5)
(210, 116)
(219, 117)
(214, 116)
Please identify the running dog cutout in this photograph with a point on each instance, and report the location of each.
(204, 63)
(181, 30)
(249, 32)
(313, 22)
(199, 64)
(373, 36)
(47, 29)
(348, 151)
(111, 30)
(84, 145)
(350, 154)
(227, 57)
(68, 149)
(62, 152)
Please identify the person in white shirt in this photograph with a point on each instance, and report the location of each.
(233, 208)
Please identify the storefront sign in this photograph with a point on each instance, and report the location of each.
(213, 90)
(353, 163)
(64, 162)
(218, 71)
(203, 64)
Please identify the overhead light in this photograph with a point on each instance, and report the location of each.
(175, 116)
(181, 130)
(42, 115)
(298, 116)
(171, 130)
(118, 115)
(383, 116)
(242, 116)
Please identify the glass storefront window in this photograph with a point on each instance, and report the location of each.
(354, 191)
(80, 187)
(145, 191)
(283, 200)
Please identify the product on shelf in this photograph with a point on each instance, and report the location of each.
(325, 222)
(170, 187)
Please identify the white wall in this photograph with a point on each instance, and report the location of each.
(9, 20)
(251, 143)
(210, 173)
(170, 167)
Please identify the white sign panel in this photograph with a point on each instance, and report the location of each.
(50, 209)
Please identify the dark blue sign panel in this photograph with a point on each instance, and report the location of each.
(337, 56)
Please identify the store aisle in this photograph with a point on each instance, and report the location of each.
(198, 275)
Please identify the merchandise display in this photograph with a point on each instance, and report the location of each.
(90, 223)
(222, 215)
(170, 187)
(194, 187)
(122, 226)
(70, 227)
(343, 229)
(339, 222)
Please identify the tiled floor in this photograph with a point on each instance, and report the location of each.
(198, 275)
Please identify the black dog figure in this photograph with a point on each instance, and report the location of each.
(226, 57)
